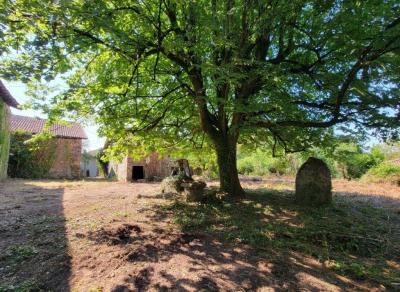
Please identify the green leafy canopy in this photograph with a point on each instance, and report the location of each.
(175, 72)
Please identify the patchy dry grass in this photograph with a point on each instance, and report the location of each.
(357, 241)
(106, 236)
(384, 195)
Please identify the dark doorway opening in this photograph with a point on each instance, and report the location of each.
(87, 173)
(137, 172)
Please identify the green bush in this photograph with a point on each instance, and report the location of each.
(257, 163)
(31, 158)
(262, 163)
(359, 164)
(279, 166)
(384, 172)
(245, 165)
(351, 161)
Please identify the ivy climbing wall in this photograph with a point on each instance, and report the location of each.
(44, 158)
(4, 139)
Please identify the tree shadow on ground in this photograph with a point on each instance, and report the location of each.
(33, 242)
(267, 240)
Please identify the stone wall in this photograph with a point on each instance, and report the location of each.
(153, 165)
(67, 159)
(4, 138)
(119, 169)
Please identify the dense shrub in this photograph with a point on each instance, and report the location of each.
(352, 161)
(384, 172)
(255, 163)
(102, 163)
(358, 164)
(265, 165)
(31, 158)
(245, 165)
(279, 166)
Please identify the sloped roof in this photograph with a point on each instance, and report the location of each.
(36, 125)
(6, 96)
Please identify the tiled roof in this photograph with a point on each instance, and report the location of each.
(35, 126)
(6, 96)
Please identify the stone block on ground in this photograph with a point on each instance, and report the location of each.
(194, 191)
(313, 183)
(171, 184)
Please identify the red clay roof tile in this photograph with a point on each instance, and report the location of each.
(35, 126)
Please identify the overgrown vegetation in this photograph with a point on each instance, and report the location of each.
(259, 162)
(355, 240)
(345, 157)
(384, 172)
(4, 140)
(31, 158)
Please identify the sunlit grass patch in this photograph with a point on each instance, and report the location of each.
(355, 238)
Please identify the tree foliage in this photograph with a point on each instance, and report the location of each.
(277, 73)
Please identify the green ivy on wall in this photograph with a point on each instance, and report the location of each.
(4, 140)
(31, 158)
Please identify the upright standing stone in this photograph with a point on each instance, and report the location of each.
(313, 183)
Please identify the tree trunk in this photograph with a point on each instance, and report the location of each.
(228, 174)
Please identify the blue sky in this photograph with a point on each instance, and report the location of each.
(18, 89)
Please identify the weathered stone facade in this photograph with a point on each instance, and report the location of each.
(67, 158)
(153, 166)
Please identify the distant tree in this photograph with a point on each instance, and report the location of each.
(352, 161)
(250, 71)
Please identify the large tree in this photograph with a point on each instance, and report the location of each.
(242, 71)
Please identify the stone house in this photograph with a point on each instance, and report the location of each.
(6, 101)
(68, 144)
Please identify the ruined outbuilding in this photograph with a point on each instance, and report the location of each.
(151, 167)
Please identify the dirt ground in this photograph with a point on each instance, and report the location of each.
(109, 236)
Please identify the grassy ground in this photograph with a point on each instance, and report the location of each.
(354, 240)
(108, 236)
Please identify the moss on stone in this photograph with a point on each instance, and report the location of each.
(313, 183)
